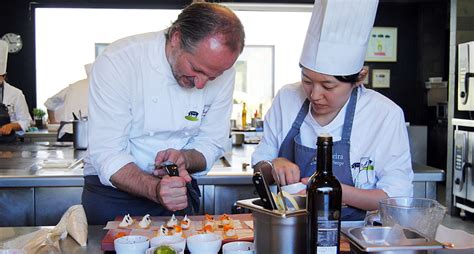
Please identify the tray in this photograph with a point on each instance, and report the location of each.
(380, 239)
(242, 222)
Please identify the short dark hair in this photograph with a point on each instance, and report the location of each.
(200, 20)
(353, 78)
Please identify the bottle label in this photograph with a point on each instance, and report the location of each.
(327, 250)
(328, 236)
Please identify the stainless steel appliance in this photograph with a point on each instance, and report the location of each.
(463, 175)
(466, 76)
(389, 240)
(79, 129)
(278, 232)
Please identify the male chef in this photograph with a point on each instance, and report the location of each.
(142, 89)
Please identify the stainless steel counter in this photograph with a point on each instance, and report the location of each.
(39, 164)
(47, 179)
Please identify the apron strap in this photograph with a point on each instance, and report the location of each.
(349, 118)
(286, 148)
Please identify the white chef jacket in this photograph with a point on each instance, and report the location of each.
(71, 99)
(14, 99)
(136, 109)
(379, 137)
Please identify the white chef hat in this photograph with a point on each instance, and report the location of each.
(3, 56)
(337, 37)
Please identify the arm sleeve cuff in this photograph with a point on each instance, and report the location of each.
(211, 154)
(111, 166)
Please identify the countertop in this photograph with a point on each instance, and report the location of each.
(59, 164)
(96, 233)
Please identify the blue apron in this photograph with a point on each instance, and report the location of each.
(304, 156)
(104, 203)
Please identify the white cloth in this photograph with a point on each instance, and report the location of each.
(338, 35)
(70, 100)
(3, 56)
(378, 133)
(14, 99)
(136, 109)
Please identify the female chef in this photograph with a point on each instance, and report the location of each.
(371, 154)
(14, 115)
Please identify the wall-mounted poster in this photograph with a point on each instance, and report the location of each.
(381, 78)
(382, 45)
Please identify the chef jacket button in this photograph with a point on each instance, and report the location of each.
(186, 133)
(154, 100)
(151, 133)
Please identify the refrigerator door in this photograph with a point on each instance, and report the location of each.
(466, 76)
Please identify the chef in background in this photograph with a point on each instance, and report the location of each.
(371, 153)
(72, 99)
(14, 114)
(160, 97)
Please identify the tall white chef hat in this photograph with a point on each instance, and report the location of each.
(3, 56)
(337, 37)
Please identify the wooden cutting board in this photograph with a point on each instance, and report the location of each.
(243, 222)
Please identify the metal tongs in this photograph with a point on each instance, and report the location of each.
(280, 204)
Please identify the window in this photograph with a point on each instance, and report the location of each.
(66, 40)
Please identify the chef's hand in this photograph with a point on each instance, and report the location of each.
(304, 181)
(177, 157)
(171, 192)
(288, 171)
(6, 129)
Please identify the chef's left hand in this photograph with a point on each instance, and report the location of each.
(177, 157)
(6, 129)
(304, 181)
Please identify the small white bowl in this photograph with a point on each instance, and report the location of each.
(170, 240)
(294, 188)
(131, 244)
(152, 250)
(238, 248)
(204, 243)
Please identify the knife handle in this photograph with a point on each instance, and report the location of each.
(263, 191)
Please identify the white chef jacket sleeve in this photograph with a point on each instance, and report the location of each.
(22, 115)
(109, 118)
(215, 126)
(56, 101)
(394, 169)
(269, 145)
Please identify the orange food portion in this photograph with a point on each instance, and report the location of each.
(208, 228)
(119, 234)
(227, 227)
(224, 217)
(177, 228)
(209, 217)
